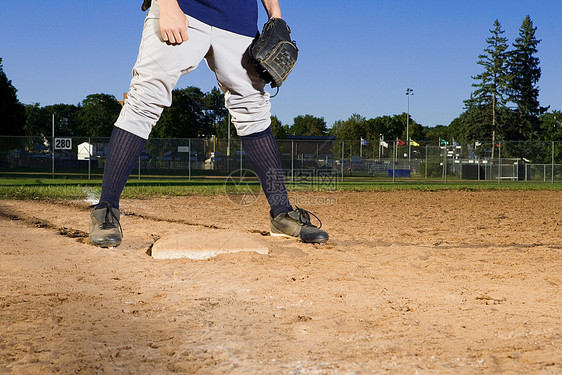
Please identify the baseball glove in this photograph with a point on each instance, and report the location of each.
(274, 53)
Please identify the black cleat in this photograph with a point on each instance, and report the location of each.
(297, 224)
(105, 229)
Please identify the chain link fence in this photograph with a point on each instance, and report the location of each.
(301, 157)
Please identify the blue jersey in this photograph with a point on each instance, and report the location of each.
(238, 16)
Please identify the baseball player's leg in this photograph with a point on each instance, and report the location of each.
(158, 67)
(249, 105)
(156, 72)
(124, 148)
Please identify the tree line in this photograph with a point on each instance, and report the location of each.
(505, 103)
(503, 106)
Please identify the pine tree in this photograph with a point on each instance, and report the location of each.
(525, 75)
(491, 84)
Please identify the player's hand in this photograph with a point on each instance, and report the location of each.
(173, 22)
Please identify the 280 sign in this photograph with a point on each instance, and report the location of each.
(63, 143)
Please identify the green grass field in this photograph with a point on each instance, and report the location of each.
(65, 189)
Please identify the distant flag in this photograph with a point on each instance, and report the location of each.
(414, 143)
(384, 144)
(400, 142)
(364, 142)
(456, 143)
(444, 142)
(477, 143)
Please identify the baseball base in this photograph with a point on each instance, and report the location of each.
(207, 243)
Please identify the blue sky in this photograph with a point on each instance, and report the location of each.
(356, 56)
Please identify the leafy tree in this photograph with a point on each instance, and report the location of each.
(222, 130)
(525, 75)
(551, 129)
(551, 126)
(309, 125)
(389, 127)
(415, 130)
(12, 112)
(38, 121)
(279, 130)
(437, 132)
(354, 128)
(97, 115)
(393, 126)
(214, 109)
(186, 117)
(491, 84)
(474, 125)
(66, 118)
(375, 128)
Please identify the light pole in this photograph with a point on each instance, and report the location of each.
(409, 92)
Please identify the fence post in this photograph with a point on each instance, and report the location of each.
(426, 161)
(478, 170)
(350, 160)
(189, 159)
(552, 163)
(53, 150)
(499, 162)
(292, 161)
(394, 157)
(89, 157)
(342, 148)
(444, 162)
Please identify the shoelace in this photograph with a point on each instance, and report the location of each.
(110, 218)
(304, 217)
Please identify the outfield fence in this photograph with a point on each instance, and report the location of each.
(302, 158)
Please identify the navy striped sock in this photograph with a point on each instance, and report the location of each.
(262, 154)
(124, 151)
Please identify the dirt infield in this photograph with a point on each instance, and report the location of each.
(410, 282)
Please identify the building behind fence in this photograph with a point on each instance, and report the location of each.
(82, 157)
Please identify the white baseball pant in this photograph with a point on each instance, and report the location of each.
(160, 65)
